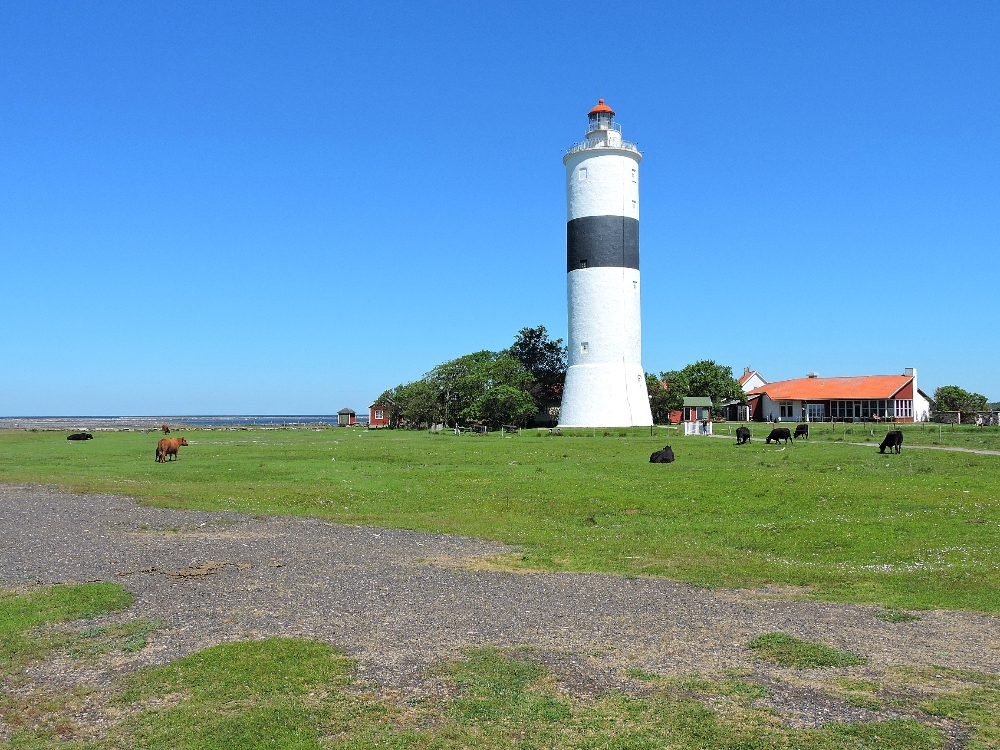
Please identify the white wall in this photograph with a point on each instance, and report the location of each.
(921, 407)
(754, 381)
(770, 407)
(608, 189)
(605, 383)
(605, 313)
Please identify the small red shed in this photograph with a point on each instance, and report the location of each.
(378, 415)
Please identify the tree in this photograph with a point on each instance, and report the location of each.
(416, 403)
(504, 404)
(659, 399)
(677, 386)
(953, 398)
(498, 388)
(703, 378)
(544, 359)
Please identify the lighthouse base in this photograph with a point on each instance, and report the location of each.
(605, 395)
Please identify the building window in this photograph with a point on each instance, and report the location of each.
(583, 173)
(787, 411)
(635, 176)
(584, 347)
(904, 408)
(379, 414)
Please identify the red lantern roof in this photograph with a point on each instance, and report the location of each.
(601, 107)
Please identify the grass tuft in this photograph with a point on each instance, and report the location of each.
(127, 637)
(789, 651)
(19, 613)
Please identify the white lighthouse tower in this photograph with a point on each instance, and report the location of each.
(605, 383)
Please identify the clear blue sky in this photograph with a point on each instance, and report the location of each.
(289, 207)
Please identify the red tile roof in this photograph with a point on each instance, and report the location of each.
(822, 389)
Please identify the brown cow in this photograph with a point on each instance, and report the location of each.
(168, 447)
(166, 429)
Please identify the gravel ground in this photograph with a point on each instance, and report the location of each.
(399, 601)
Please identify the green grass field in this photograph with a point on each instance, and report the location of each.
(925, 433)
(918, 530)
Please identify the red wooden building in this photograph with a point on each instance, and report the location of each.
(378, 416)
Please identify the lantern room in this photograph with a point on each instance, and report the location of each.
(602, 117)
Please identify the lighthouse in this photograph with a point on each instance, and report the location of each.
(605, 382)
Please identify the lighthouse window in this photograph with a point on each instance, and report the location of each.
(584, 347)
(583, 263)
(635, 177)
(583, 173)
(633, 205)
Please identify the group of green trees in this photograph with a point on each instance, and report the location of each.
(496, 388)
(953, 398)
(703, 378)
(512, 386)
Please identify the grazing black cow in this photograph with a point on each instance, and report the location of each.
(742, 435)
(666, 456)
(893, 441)
(80, 436)
(801, 430)
(778, 434)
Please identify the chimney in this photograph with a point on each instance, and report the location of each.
(911, 372)
(812, 374)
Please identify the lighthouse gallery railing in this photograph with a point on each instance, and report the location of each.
(602, 143)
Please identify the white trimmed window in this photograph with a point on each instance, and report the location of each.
(583, 173)
(379, 414)
(787, 409)
(904, 408)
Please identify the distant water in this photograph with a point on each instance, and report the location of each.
(111, 422)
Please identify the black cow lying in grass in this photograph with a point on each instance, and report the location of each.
(893, 440)
(801, 430)
(742, 435)
(80, 436)
(778, 434)
(666, 456)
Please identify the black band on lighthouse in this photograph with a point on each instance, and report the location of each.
(602, 241)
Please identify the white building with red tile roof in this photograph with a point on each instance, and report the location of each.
(851, 399)
(750, 379)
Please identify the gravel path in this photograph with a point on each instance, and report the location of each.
(400, 600)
